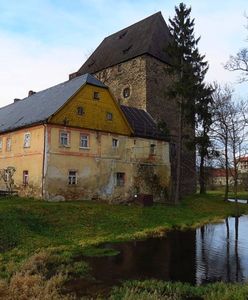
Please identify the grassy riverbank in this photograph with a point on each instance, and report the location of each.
(63, 231)
(159, 290)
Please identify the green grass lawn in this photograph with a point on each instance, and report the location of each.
(29, 226)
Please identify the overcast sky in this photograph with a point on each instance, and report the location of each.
(42, 41)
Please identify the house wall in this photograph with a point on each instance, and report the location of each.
(24, 159)
(97, 166)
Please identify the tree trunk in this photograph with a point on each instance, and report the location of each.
(179, 156)
(202, 176)
(226, 168)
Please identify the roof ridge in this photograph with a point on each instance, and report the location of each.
(134, 24)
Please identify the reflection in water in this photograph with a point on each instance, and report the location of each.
(221, 252)
(217, 252)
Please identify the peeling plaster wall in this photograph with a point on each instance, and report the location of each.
(29, 159)
(97, 166)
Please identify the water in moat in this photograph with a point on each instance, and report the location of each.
(214, 252)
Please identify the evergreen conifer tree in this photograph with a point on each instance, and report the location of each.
(188, 70)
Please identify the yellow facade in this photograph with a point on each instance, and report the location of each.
(24, 158)
(94, 111)
(97, 166)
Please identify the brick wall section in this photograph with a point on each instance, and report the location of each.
(148, 81)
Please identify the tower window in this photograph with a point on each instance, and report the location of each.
(126, 92)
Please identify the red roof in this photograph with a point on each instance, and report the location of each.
(220, 172)
(243, 159)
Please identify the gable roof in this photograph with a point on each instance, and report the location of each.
(40, 106)
(142, 123)
(148, 36)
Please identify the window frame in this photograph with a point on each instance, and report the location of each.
(29, 142)
(8, 144)
(87, 139)
(72, 178)
(115, 143)
(68, 138)
(25, 177)
(120, 179)
(1, 144)
(126, 92)
(96, 95)
(109, 116)
(80, 111)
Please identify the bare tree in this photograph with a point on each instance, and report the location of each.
(237, 136)
(239, 62)
(221, 126)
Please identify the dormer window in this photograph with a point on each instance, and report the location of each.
(96, 96)
(80, 111)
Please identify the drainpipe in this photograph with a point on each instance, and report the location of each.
(44, 166)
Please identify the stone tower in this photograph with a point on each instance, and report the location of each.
(133, 63)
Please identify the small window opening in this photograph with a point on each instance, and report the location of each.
(126, 92)
(25, 177)
(121, 36)
(109, 116)
(96, 96)
(72, 178)
(120, 179)
(152, 149)
(127, 49)
(80, 111)
(115, 143)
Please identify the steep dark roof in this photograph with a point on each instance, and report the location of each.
(40, 106)
(148, 36)
(142, 123)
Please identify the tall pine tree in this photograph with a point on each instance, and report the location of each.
(188, 70)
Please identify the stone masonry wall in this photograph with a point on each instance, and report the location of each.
(130, 74)
(163, 108)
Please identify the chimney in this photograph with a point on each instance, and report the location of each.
(16, 100)
(30, 93)
(73, 75)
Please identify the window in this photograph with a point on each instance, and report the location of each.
(120, 179)
(152, 149)
(109, 116)
(72, 177)
(96, 96)
(126, 92)
(8, 144)
(64, 138)
(80, 111)
(27, 139)
(115, 143)
(25, 177)
(1, 144)
(84, 141)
